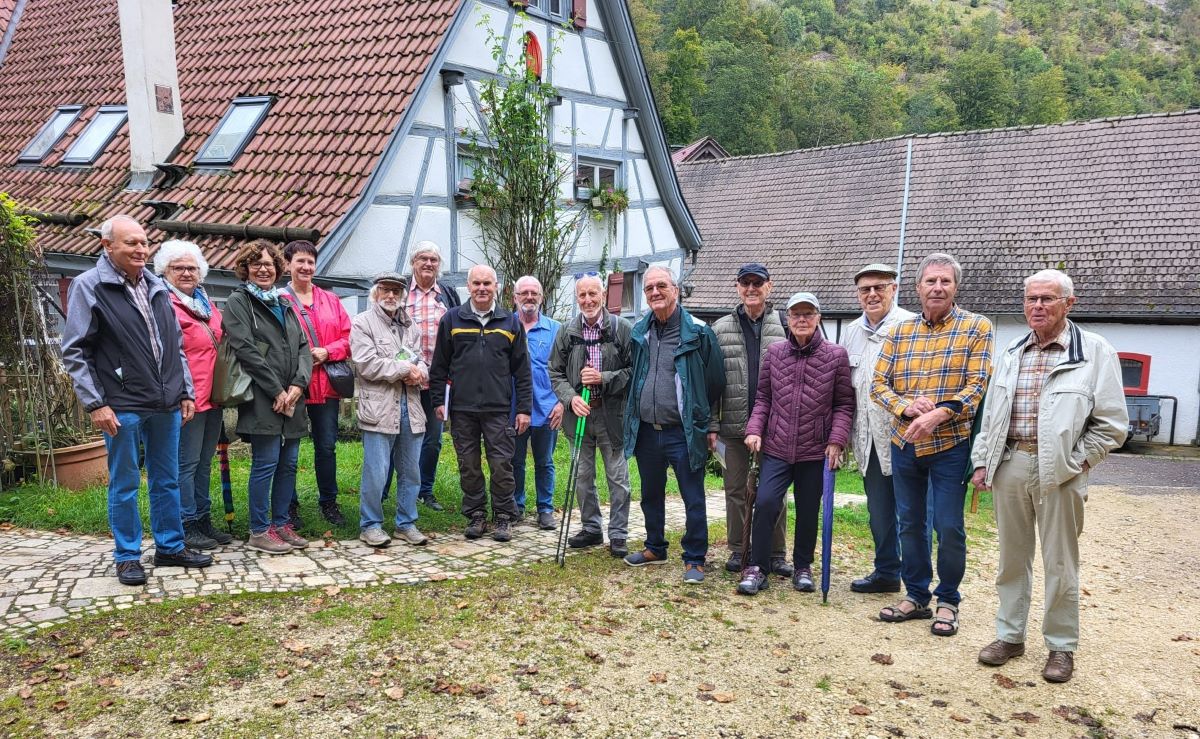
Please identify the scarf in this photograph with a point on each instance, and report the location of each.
(197, 303)
(272, 298)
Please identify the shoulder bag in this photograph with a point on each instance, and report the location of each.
(340, 373)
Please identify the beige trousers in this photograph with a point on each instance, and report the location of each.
(737, 466)
(1058, 518)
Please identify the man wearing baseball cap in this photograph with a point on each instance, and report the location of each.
(744, 336)
(876, 288)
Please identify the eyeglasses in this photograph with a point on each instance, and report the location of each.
(657, 287)
(1041, 300)
(260, 266)
(581, 275)
(805, 316)
(185, 268)
(868, 289)
(751, 282)
(530, 293)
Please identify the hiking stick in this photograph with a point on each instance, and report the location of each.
(751, 496)
(564, 528)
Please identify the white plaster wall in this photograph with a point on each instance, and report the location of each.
(465, 115)
(435, 178)
(589, 122)
(375, 245)
(469, 251)
(432, 111)
(401, 179)
(633, 140)
(471, 46)
(560, 123)
(616, 123)
(570, 70)
(604, 70)
(432, 224)
(662, 235)
(639, 237)
(594, 20)
(516, 41)
(647, 189)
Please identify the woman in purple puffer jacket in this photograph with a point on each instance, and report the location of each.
(801, 422)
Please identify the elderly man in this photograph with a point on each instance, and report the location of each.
(744, 336)
(124, 351)
(481, 353)
(428, 300)
(592, 351)
(547, 415)
(677, 378)
(931, 375)
(386, 347)
(876, 288)
(1056, 409)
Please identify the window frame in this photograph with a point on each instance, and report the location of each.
(264, 101)
(595, 164)
(62, 110)
(541, 8)
(103, 110)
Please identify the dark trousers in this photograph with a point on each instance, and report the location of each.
(431, 448)
(324, 420)
(885, 527)
(915, 480)
(805, 478)
(467, 428)
(657, 449)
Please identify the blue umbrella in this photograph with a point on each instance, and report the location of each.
(826, 530)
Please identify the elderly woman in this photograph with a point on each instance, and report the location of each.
(327, 327)
(801, 422)
(386, 346)
(266, 336)
(184, 268)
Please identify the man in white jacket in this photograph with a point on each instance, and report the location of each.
(1055, 408)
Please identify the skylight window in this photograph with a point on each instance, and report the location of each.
(50, 133)
(234, 131)
(92, 142)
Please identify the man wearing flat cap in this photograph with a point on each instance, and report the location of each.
(385, 344)
(875, 285)
(744, 336)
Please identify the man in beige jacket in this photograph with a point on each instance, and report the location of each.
(1055, 409)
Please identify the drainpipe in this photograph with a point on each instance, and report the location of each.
(904, 214)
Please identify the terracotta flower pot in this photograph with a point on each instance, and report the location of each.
(76, 467)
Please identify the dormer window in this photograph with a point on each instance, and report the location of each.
(234, 131)
(49, 134)
(90, 144)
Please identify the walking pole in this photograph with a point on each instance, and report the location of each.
(226, 485)
(826, 529)
(751, 496)
(564, 528)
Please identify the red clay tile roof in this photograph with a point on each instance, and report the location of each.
(343, 73)
(1116, 201)
(700, 150)
(6, 9)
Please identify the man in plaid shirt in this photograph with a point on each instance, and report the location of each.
(931, 375)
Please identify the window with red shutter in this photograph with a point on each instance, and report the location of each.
(579, 14)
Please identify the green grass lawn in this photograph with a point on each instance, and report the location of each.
(39, 506)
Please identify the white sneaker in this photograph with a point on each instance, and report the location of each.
(374, 537)
(412, 535)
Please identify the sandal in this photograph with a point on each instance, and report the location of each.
(949, 625)
(895, 614)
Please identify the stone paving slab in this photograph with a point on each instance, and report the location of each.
(47, 578)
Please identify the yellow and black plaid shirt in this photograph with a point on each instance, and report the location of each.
(948, 362)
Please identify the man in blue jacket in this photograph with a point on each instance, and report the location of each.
(678, 377)
(124, 351)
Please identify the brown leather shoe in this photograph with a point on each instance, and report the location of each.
(999, 652)
(1059, 666)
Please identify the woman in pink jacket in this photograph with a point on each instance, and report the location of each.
(801, 422)
(319, 310)
(184, 268)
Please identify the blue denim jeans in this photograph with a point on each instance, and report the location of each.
(431, 446)
(542, 439)
(401, 451)
(323, 418)
(272, 479)
(655, 451)
(885, 524)
(914, 479)
(197, 445)
(159, 433)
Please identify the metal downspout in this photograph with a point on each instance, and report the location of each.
(904, 213)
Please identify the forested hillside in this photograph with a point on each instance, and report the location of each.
(769, 75)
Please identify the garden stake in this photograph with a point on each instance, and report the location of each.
(564, 528)
(226, 485)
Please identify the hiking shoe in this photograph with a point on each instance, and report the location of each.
(294, 515)
(411, 535)
(431, 501)
(183, 558)
(780, 566)
(221, 537)
(288, 534)
(503, 530)
(269, 542)
(194, 537)
(520, 513)
(874, 583)
(1059, 667)
(476, 528)
(693, 574)
(803, 581)
(130, 572)
(753, 580)
(999, 652)
(585, 539)
(617, 548)
(644, 557)
(546, 521)
(734, 563)
(374, 537)
(331, 513)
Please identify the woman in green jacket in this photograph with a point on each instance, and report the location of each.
(270, 346)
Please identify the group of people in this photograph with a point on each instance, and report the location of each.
(764, 387)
